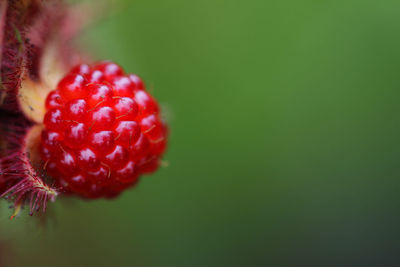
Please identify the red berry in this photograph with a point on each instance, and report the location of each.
(51, 168)
(72, 87)
(67, 164)
(95, 191)
(54, 100)
(140, 148)
(102, 141)
(149, 165)
(128, 173)
(158, 148)
(100, 175)
(96, 77)
(127, 132)
(77, 183)
(147, 105)
(99, 95)
(51, 140)
(123, 86)
(103, 118)
(125, 108)
(44, 152)
(101, 131)
(75, 135)
(152, 128)
(109, 69)
(82, 69)
(76, 110)
(53, 120)
(88, 159)
(137, 81)
(117, 158)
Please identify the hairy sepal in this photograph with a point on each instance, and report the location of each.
(16, 16)
(21, 170)
(32, 93)
(35, 52)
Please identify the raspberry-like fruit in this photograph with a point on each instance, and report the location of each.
(102, 130)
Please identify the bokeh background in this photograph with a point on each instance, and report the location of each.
(284, 147)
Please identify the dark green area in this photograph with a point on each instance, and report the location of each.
(284, 147)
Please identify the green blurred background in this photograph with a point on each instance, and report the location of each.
(284, 147)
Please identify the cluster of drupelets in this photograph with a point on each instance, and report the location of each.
(102, 130)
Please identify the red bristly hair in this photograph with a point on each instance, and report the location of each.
(20, 182)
